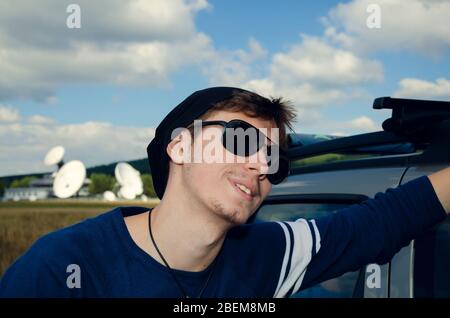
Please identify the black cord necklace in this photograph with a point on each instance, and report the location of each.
(172, 273)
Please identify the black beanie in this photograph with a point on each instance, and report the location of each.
(182, 115)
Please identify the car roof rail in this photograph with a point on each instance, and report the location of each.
(413, 122)
(413, 118)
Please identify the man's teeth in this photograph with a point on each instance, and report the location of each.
(244, 188)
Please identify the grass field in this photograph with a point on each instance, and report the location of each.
(21, 223)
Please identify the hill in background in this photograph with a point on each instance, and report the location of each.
(140, 164)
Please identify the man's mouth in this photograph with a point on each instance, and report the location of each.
(244, 191)
(244, 188)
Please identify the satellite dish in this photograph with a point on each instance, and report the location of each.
(69, 179)
(54, 156)
(138, 186)
(125, 173)
(144, 198)
(109, 196)
(129, 177)
(127, 193)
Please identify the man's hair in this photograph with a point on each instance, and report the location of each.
(254, 105)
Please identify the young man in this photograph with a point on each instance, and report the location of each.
(195, 242)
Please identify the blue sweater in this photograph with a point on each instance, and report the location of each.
(98, 258)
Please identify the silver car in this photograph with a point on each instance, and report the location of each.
(329, 173)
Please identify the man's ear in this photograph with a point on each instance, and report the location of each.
(179, 148)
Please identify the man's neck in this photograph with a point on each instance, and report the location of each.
(188, 237)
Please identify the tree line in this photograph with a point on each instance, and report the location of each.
(100, 182)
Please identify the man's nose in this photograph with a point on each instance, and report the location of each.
(257, 163)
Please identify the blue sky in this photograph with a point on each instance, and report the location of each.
(102, 89)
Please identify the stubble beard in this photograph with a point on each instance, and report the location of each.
(233, 216)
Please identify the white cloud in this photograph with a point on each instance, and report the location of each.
(314, 73)
(103, 21)
(24, 144)
(415, 25)
(39, 119)
(233, 68)
(256, 50)
(120, 42)
(417, 88)
(339, 134)
(315, 61)
(302, 94)
(8, 114)
(363, 123)
(311, 73)
(329, 126)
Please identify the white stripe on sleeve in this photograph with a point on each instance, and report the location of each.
(301, 255)
(316, 231)
(286, 256)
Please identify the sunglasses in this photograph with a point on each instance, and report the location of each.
(241, 144)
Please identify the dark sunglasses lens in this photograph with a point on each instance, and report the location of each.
(282, 172)
(241, 138)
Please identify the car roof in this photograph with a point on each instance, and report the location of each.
(418, 131)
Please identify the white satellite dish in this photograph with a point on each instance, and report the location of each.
(139, 188)
(125, 173)
(69, 179)
(54, 156)
(129, 177)
(127, 193)
(137, 185)
(109, 196)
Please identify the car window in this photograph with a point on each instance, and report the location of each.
(432, 262)
(342, 286)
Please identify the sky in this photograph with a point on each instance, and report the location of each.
(101, 89)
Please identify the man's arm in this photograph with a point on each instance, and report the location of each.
(370, 232)
(441, 184)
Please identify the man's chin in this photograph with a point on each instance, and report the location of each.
(232, 215)
(236, 216)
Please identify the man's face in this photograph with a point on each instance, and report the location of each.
(223, 187)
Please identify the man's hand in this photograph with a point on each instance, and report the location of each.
(441, 184)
